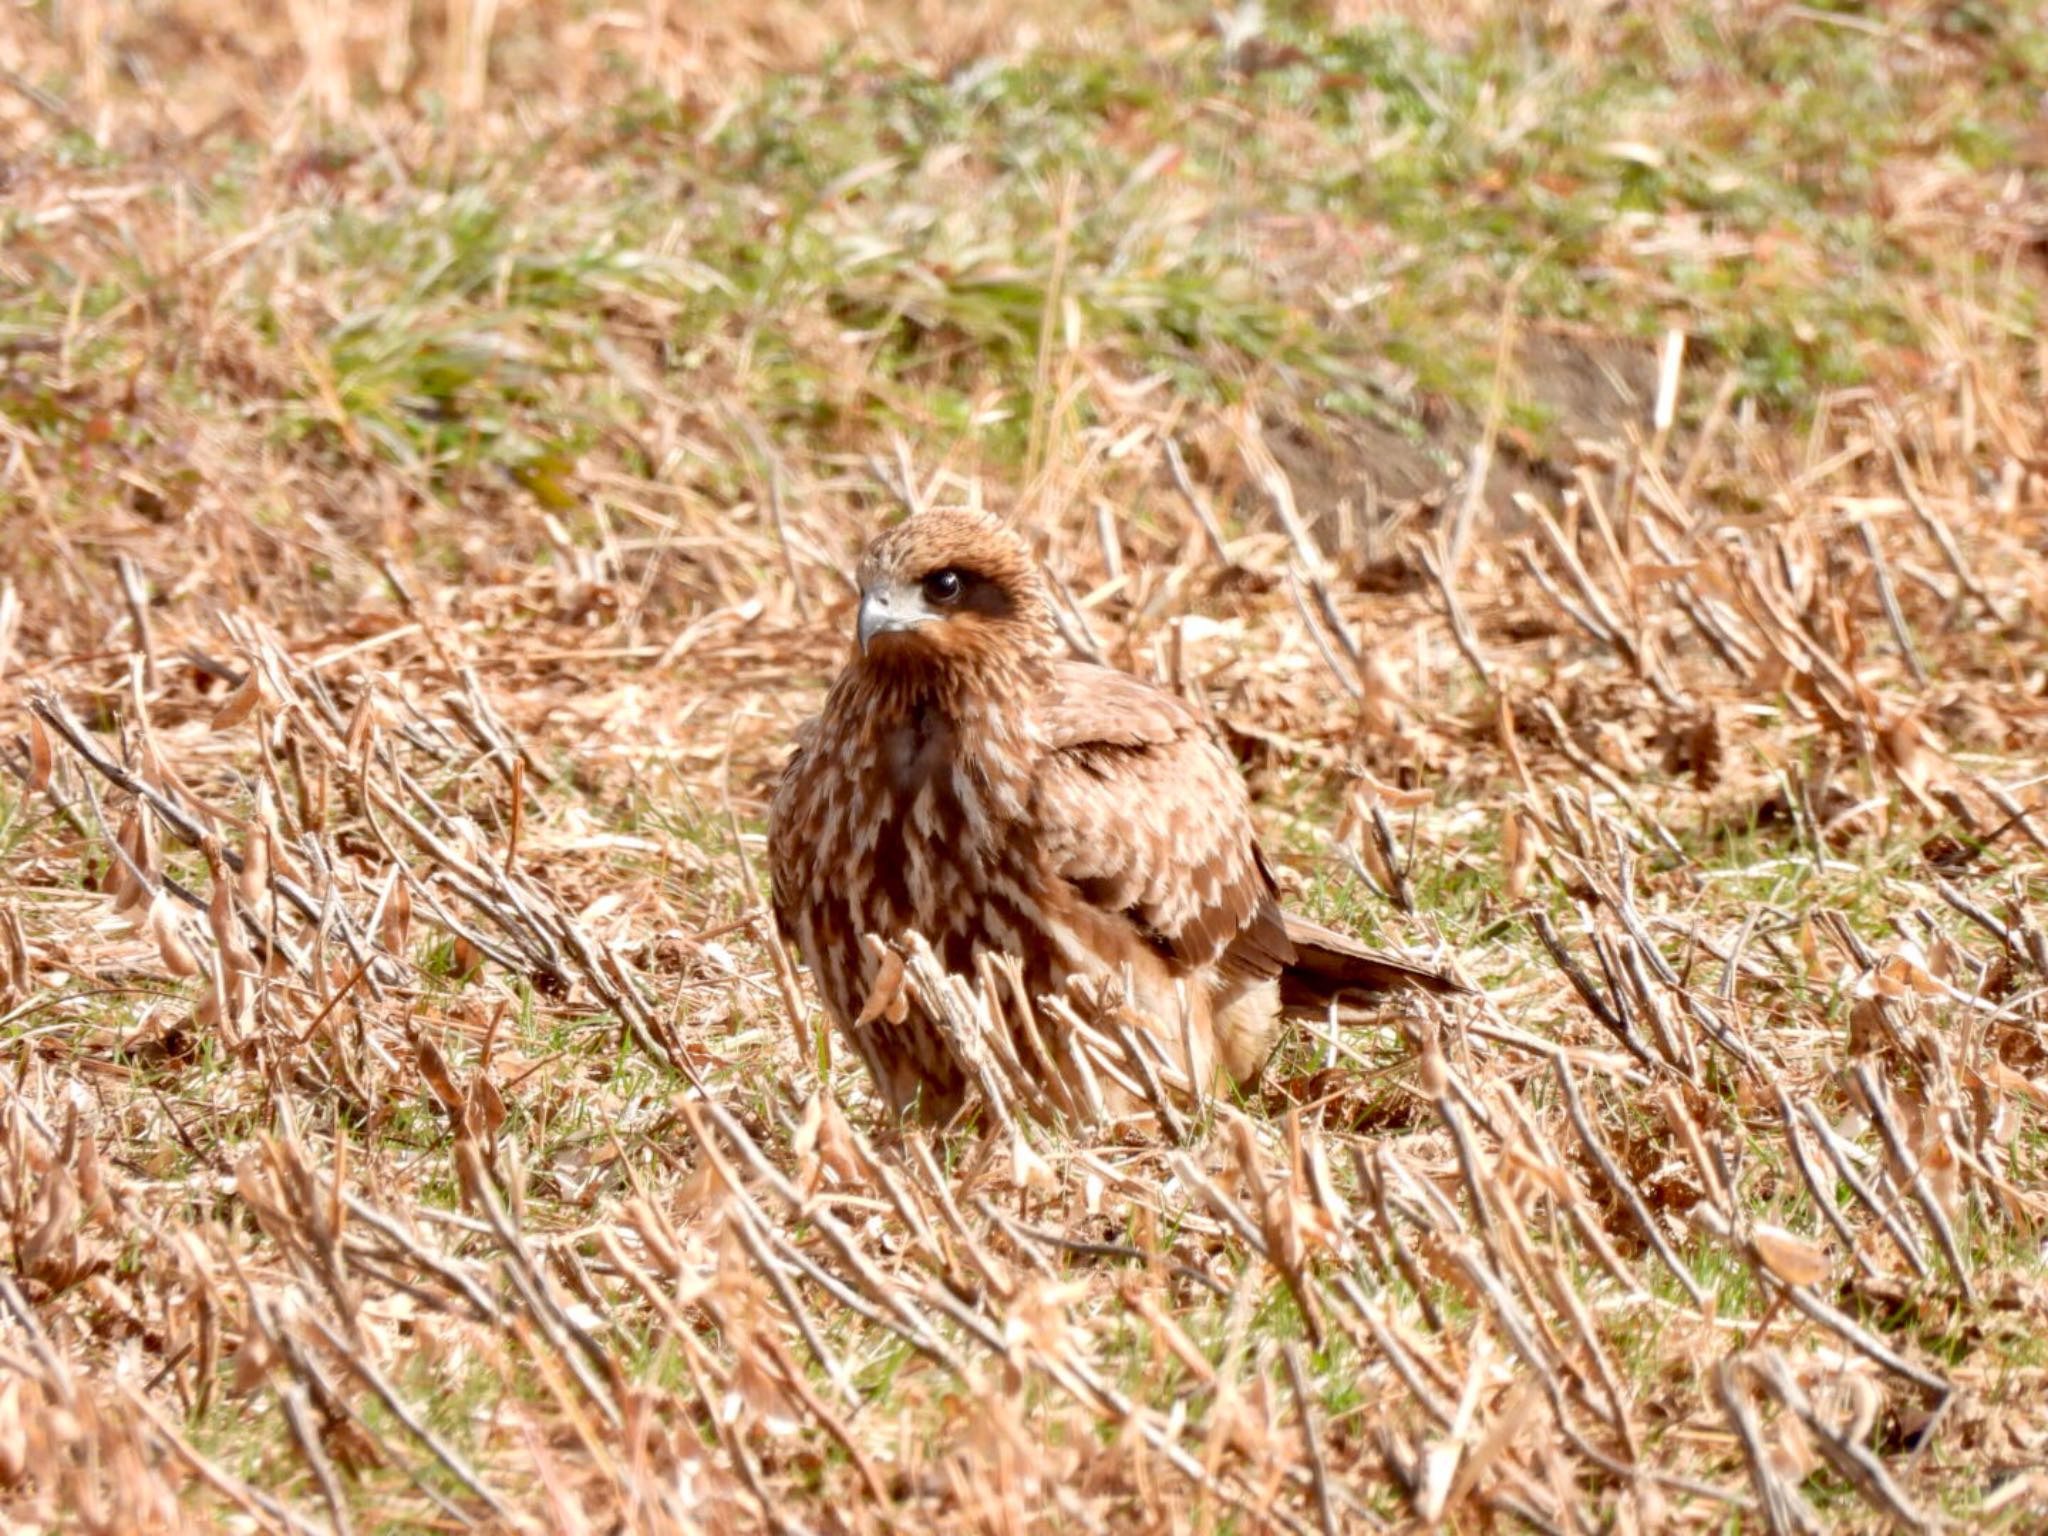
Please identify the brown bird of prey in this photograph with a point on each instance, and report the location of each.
(967, 782)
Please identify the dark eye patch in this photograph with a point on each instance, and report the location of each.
(959, 589)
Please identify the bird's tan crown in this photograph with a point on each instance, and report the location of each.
(975, 543)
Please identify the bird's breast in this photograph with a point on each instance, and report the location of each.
(916, 751)
(912, 819)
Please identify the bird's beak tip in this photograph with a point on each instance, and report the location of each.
(870, 622)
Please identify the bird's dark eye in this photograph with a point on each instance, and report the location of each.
(942, 586)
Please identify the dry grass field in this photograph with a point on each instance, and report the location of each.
(1587, 463)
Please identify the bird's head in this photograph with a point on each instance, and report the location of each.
(950, 586)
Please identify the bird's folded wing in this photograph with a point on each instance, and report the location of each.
(1142, 813)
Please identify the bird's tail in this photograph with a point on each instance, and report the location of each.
(1327, 965)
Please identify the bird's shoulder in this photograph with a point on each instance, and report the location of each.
(796, 765)
(796, 810)
(1086, 705)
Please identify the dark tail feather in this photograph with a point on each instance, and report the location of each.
(1327, 964)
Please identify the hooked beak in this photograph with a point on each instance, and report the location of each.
(884, 611)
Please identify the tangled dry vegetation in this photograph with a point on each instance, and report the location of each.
(412, 581)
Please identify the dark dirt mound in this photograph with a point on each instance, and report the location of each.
(1587, 388)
